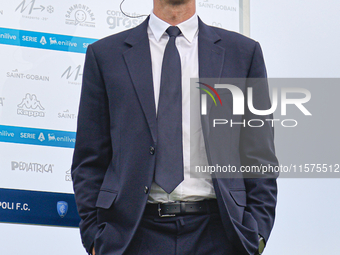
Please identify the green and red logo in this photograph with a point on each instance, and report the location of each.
(209, 93)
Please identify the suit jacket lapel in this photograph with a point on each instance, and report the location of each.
(138, 61)
(210, 55)
(211, 62)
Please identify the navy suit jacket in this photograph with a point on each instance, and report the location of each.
(112, 165)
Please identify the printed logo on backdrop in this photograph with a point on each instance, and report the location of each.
(48, 137)
(34, 136)
(5, 133)
(62, 208)
(216, 24)
(32, 167)
(8, 36)
(80, 14)
(43, 40)
(68, 177)
(51, 137)
(1, 12)
(31, 106)
(118, 19)
(39, 40)
(34, 10)
(67, 115)
(15, 74)
(55, 42)
(41, 137)
(211, 4)
(73, 75)
(2, 99)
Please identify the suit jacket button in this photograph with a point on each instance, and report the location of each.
(146, 189)
(152, 150)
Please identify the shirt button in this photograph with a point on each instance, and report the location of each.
(152, 150)
(146, 189)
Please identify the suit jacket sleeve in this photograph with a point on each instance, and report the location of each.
(92, 153)
(257, 148)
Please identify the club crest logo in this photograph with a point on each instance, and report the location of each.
(62, 208)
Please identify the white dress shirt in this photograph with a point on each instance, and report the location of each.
(191, 189)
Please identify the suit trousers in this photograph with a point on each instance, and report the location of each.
(181, 235)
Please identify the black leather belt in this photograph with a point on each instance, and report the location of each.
(182, 208)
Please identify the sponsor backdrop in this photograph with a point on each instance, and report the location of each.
(43, 45)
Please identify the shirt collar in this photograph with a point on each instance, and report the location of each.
(188, 28)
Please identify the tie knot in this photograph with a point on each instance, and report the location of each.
(173, 31)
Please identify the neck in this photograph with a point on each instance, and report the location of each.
(174, 11)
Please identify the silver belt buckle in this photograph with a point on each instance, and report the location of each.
(163, 215)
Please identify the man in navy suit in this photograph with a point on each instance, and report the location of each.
(119, 188)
